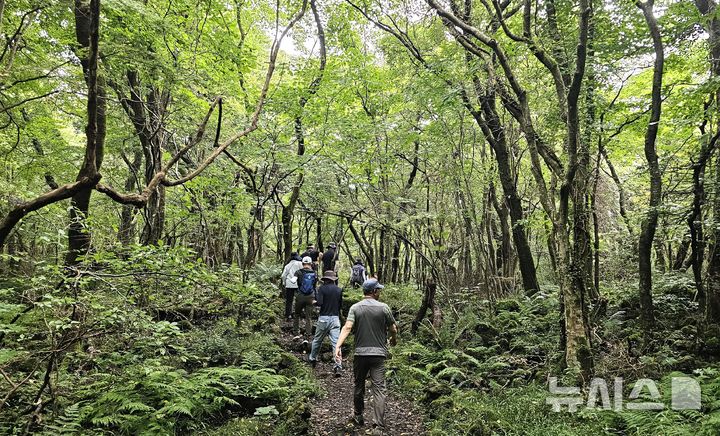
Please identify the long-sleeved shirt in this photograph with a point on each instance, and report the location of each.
(329, 298)
(288, 275)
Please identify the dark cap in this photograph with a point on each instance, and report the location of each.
(332, 245)
(370, 285)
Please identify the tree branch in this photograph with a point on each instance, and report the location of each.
(255, 116)
(61, 193)
(27, 100)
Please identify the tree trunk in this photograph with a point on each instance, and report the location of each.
(494, 132)
(147, 115)
(712, 309)
(712, 304)
(504, 261)
(395, 261)
(154, 213)
(407, 265)
(573, 258)
(86, 32)
(319, 233)
(649, 223)
(681, 255)
(287, 211)
(382, 263)
(695, 223)
(364, 246)
(428, 303)
(622, 196)
(596, 231)
(126, 231)
(588, 195)
(660, 257)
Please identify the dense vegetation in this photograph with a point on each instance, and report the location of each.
(537, 183)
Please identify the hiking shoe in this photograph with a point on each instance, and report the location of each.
(337, 370)
(375, 431)
(312, 362)
(357, 421)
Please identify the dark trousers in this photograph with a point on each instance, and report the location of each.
(289, 296)
(303, 308)
(375, 366)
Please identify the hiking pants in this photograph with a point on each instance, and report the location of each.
(375, 366)
(303, 306)
(326, 326)
(289, 296)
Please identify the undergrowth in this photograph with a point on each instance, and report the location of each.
(154, 342)
(485, 371)
(158, 344)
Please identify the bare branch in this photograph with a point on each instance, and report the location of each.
(61, 193)
(160, 177)
(255, 116)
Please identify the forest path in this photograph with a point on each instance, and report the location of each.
(331, 411)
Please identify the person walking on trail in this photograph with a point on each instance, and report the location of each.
(290, 282)
(371, 322)
(313, 254)
(307, 281)
(358, 273)
(329, 298)
(329, 258)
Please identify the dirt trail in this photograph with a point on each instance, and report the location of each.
(331, 411)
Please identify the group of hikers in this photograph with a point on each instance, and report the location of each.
(371, 322)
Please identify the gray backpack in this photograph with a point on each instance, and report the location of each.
(358, 271)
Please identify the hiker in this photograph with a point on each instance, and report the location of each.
(329, 298)
(313, 254)
(290, 282)
(329, 258)
(306, 282)
(358, 273)
(371, 321)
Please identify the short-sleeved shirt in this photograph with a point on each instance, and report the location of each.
(371, 320)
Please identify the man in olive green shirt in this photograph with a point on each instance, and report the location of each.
(371, 322)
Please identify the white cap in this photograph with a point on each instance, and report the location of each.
(307, 260)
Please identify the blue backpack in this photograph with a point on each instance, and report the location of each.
(307, 285)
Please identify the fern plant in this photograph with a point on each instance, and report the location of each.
(161, 399)
(67, 424)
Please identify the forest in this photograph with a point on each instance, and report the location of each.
(535, 183)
